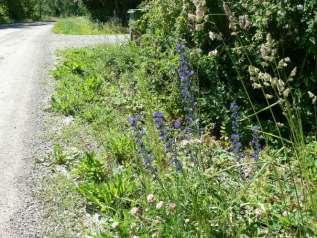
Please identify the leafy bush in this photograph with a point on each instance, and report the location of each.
(4, 17)
(226, 38)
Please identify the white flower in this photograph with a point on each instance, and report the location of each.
(150, 198)
(159, 205)
(135, 211)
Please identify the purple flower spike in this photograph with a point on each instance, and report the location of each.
(159, 123)
(133, 120)
(139, 132)
(177, 124)
(255, 143)
(235, 136)
(185, 73)
(166, 137)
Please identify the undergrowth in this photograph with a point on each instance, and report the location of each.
(167, 177)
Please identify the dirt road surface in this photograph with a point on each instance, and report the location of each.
(26, 54)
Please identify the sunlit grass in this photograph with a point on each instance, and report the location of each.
(84, 26)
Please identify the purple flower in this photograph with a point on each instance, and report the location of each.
(167, 138)
(255, 143)
(133, 120)
(235, 136)
(138, 133)
(177, 124)
(185, 73)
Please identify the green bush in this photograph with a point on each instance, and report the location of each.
(4, 16)
(226, 38)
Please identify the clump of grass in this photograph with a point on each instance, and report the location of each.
(85, 26)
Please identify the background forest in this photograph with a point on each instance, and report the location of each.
(101, 10)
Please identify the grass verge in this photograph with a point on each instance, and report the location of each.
(130, 180)
(84, 26)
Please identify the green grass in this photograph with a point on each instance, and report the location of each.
(84, 26)
(216, 197)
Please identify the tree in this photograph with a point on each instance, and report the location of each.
(103, 10)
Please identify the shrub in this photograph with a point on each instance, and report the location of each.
(226, 38)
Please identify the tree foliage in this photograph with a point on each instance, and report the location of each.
(36, 9)
(236, 43)
(102, 10)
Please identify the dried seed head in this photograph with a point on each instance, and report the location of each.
(311, 95)
(213, 53)
(256, 85)
(286, 92)
(192, 17)
(268, 96)
(215, 36)
(266, 84)
(293, 73)
(280, 125)
(244, 22)
(199, 27)
(227, 9)
(280, 86)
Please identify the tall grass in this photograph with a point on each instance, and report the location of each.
(84, 26)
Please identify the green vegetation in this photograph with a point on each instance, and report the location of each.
(203, 127)
(101, 87)
(21, 10)
(99, 10)
(84, 26)
(104, 11)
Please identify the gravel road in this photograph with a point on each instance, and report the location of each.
(26, 55)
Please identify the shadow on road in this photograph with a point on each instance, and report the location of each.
(24, 25)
